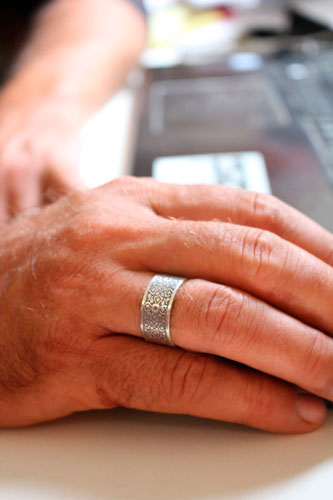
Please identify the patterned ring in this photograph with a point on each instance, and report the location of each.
(156, 308)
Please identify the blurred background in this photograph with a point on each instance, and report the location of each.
(240, 93)
(181, 28)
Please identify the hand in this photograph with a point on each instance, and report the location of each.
(253, 322)
(39, 148)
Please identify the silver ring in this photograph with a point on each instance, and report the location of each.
(156, 308)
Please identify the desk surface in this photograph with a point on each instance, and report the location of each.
(120, 454)
(123, 455)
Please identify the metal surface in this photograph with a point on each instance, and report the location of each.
(156, 308)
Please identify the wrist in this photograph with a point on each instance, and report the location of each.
(21, 96)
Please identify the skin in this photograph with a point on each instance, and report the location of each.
(79, 52)
(252, 323)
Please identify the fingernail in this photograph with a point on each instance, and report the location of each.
(311, 409)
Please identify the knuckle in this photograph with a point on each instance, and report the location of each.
(269, 211)
(136, 189)
(220, 316)
(263, 253)
(186, 377)
(125, 185)
(256, 249)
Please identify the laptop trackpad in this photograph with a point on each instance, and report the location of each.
(241, 101)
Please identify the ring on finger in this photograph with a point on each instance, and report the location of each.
(156, 308)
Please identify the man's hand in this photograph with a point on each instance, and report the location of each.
(39, 149)
(253, 323)
(78, 54)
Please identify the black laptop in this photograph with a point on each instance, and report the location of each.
(261, 123)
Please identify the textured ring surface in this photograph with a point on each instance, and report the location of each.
(156, 308)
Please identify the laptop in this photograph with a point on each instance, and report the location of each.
(263, 123)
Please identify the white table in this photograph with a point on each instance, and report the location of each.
(124, 455)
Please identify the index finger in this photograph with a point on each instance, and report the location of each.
(245, 208)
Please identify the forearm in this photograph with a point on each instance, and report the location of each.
(79, 52)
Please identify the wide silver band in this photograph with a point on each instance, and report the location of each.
(156, 308)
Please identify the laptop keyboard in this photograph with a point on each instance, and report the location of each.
(325, 64)
(308, 88)
(320, 132)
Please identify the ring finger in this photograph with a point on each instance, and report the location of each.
(220, 320)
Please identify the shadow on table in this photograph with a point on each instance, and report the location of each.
(133, 455)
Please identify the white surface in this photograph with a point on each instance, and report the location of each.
(122, 455)
(241, 170)
(190, 169)
(106, 141)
